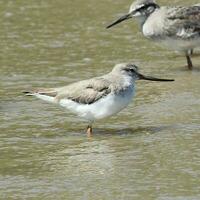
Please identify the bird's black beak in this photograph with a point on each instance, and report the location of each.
(121, 19)
(149, 78)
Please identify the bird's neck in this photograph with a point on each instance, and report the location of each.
(141, 20)
(123, 83)
(128, 81)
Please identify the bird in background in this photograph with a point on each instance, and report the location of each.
(98, 97)
(176, 27)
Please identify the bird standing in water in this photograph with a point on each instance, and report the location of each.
(99, 97)
(177, 27)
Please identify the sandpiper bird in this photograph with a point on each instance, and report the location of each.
(176, 27)
(98, 97)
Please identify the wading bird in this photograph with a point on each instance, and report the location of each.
(99, 97)
(176, 27)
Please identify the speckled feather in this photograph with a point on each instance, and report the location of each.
(183, 22)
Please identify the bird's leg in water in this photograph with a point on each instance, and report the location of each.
(189, 61)
(89, 131)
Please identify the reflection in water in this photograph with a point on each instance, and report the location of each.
(148, 151)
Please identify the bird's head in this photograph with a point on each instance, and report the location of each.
(131, 70)
(140, 10)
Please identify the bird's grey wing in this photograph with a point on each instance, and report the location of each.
(183, 22)
(86, 92)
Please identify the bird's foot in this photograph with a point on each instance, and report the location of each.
(89, 131)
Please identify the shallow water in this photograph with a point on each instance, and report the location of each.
(148, 151)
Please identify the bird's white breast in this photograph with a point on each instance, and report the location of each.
(105, 107)
(153, 26)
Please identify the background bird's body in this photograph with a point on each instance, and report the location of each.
(178, 27)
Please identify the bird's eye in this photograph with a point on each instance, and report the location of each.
(130, 70)
(150, 7)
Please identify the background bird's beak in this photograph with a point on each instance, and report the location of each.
(121, 19)
(149, 78)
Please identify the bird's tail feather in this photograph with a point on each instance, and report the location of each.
(42, 93)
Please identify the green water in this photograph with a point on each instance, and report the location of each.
(148, 151)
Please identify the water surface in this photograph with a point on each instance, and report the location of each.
(149, 151)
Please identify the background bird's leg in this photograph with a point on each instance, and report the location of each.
(191, 51)
(89, 130)
(189, 61)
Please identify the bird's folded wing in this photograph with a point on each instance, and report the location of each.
(183, 22)
(85, 92)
